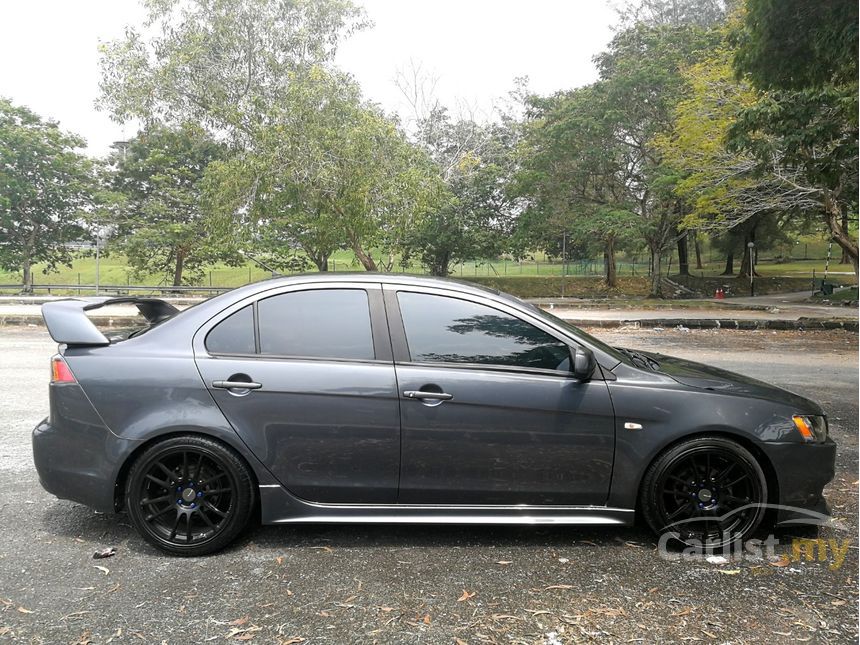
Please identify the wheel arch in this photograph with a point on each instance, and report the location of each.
(741, 439)
(122, 474)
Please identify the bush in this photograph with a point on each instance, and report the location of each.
(574, 287)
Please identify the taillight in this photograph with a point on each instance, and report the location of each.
(60, 372)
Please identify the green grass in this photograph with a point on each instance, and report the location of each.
(842, 295)
(114, 271)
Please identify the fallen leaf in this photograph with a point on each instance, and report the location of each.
(104, 570)
(505, 617)
(328, 549)
(104, 553)
(460, 641)
(293, 640)
(239, 621)
(729, 572)
(279, 559)
(837, 603)
(466, 595)
(683, 612)
(716, 559)
(24, 610)
(563, 560)
(426, 619)
(560, 587)
(783, 561)
(386, 609)
(505, 562)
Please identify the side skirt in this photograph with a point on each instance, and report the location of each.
(279, 507)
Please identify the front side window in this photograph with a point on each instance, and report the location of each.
(323, 323)
(449, 330)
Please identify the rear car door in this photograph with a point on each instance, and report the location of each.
(490, 413)
(320, 409)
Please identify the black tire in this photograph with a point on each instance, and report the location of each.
(190, 495)
(706, 491)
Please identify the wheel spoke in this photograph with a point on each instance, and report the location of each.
(206, 519)
(170, 474)
(175, 525)
(215, 491)
(214, 478)
(165, 485)
(152, 516)
(214, 508)
(155, 500)
(199, 466)
(185, 465)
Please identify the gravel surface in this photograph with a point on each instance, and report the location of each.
(337, 584)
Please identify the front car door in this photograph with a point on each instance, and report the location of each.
(321, 409)
(490, 413)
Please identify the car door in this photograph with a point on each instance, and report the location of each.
(490, 413)
(320, 408)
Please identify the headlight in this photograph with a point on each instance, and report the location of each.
(811, 428)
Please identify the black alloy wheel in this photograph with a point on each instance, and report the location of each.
(189, 495)
(708, 491)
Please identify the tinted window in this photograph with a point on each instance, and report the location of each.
(440, 329)
(234, 334)
(327, 323)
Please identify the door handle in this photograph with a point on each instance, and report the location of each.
(421, 394)
(237, 385)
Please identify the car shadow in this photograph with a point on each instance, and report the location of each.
(70, 520)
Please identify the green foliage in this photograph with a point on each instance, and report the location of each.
(222, 63)
(474, 214)
(162, 228)
(798, 44)
(46, 188)
(328, 171)
(804, 125)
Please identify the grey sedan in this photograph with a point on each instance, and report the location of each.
(381, 398)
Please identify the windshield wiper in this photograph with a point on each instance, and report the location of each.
(639, 359)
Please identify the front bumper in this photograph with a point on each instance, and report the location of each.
(802, 472)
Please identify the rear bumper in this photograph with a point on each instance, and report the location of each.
(74, 467)
(802, 471)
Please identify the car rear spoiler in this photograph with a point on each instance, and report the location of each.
(68, 323)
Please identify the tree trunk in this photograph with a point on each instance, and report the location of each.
(656, 278)
(27, 272)
(683, 255)
(698, 247)
(178, 267)
(321, 260)
(833, 215)
(609, 266)
(365, 258)
(730, 264)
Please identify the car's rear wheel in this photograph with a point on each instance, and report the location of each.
(189, 495)
(705, 492)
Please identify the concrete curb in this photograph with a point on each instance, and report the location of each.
(724, 323)
(641, 323)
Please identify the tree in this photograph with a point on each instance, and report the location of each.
(575, 175)
(803, 127)
(163, 228)
(642, 83)
(45, 191)
(475, 215)
(222, 63)
(332, 172)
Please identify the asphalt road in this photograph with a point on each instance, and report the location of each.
(336, 584)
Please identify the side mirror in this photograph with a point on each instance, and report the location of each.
(583, 363)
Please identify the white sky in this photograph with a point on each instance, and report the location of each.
(475, 48)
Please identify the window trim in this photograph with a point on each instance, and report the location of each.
(401, 344)
(378, 324)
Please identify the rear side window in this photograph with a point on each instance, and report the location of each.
(234, 334)
(449, 330)
(324, 323)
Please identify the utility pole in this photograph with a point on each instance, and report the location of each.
(563, 261)
(751, 246)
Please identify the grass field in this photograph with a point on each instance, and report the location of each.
(113, 269)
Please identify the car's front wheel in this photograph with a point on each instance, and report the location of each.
(189, 495)
(705, 492)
